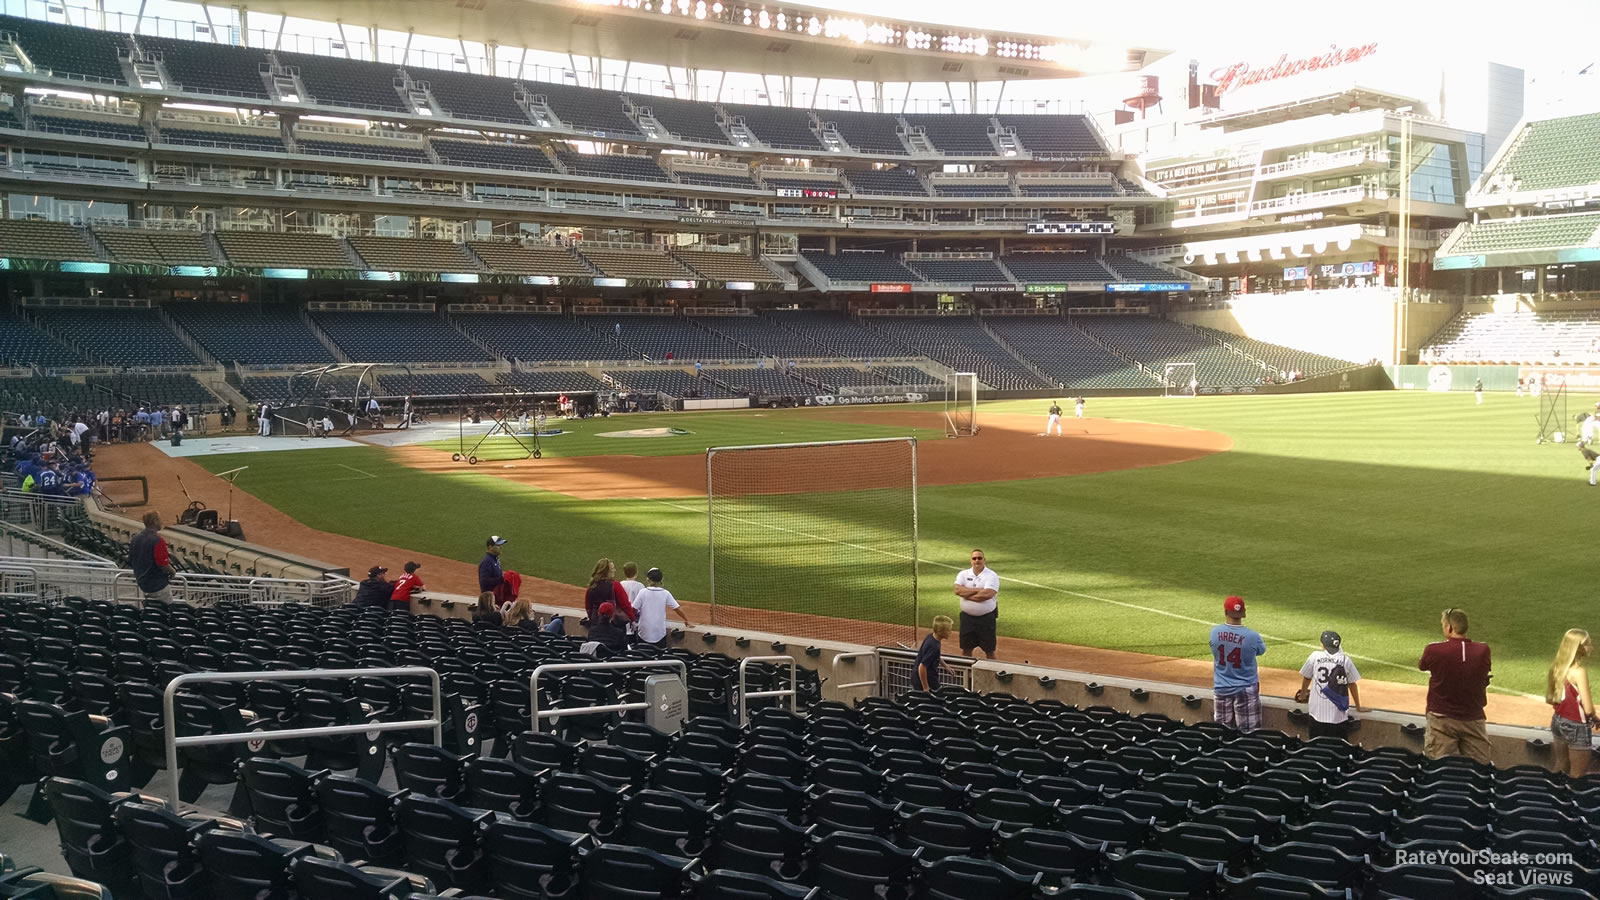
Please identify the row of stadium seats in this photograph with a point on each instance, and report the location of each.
(1517, 337)
(1008, 353)
(204, 68)
(948, 796)
(33, 239)
(1024, 268)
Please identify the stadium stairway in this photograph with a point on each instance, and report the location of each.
(1006, 345)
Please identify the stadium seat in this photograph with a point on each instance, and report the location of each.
(163, 850)
(966, 878)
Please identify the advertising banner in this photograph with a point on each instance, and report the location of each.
(850, 400)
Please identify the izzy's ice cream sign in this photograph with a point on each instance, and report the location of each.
(1242, 74)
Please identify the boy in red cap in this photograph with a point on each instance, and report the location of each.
(1236, 686)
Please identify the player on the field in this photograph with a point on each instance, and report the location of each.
(1588, 432)
(1236, 685)
(1054, 421)
(1334, 693)
(1077, 407)
(1477, 390)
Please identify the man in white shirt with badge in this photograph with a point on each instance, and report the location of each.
(978, 588)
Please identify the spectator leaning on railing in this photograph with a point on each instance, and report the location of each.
(1459, 672)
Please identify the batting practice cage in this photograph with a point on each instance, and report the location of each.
(815, 540)
(960, 404)
(1178, 380)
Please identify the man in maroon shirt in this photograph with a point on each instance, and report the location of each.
(1459, 671)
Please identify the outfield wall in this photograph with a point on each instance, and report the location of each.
(1358, 324)
(1578, 379)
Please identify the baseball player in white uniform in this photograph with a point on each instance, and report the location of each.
(1054, 421)
(1588, 433)
(264, 419)
(1077, 407)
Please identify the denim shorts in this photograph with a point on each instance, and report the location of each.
(1573, 734)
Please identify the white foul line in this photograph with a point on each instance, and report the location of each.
(364, 474)
(1046, 587)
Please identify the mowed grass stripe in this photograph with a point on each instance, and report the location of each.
(1367, 513)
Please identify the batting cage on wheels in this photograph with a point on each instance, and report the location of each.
(1178, 380)
(817, 540)
(960, 404)
(1553, 418)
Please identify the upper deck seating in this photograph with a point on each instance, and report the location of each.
(1055, 136)
(589, 110)
(1551, 153)
(148, 245)
(867, 132)
(258, 249)
(684, 119)
(1046, 268)
(716, 265)
(860, 267)
(68, 51)
(202, 68)
(34, 239)
(635, 263)
(957, 134)
(517, 258)
(399, 254)
(480, 97)
(958, 270)
(781, 127)
(333, 81)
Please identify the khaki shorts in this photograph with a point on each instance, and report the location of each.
(1457, 737)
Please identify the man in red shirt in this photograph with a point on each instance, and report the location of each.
(400, 599)
(1459, 671)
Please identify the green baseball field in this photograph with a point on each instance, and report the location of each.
(1364, 512)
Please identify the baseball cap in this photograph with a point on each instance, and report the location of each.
(1331, 641)
(495, 540)
(375, 571)
(1233, 606)
(413, 566)
(607, 609)
(654, 574)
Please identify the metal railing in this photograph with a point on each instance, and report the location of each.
(535, 714)
(861, 654)
(170, 723)
(743, 700)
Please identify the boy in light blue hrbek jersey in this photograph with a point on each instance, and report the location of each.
(1235, 683)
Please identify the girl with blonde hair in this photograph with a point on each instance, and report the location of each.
(1567, 690)
(520, 611)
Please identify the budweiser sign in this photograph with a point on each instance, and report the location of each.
(1240, 74)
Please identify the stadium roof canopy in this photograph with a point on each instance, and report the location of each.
(1354, 99)
(734, 36)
